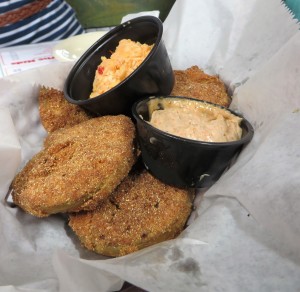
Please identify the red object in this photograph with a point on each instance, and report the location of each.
(100, 70)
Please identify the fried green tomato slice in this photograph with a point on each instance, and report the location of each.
(56, 112)
(141, 212)
(194, 82)
(78, 167)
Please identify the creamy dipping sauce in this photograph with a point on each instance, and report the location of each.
(194, 120)
(111, 71)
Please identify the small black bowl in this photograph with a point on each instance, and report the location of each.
(153, 77)
(184, 162)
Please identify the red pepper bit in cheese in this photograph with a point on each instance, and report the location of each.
(100, 70)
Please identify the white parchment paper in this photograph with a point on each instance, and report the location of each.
(245, 232)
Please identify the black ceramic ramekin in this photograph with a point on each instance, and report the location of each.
(153, 77)
(183, 162)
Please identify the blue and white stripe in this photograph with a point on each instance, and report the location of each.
(57, 21)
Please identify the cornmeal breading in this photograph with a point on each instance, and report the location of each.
(56, 112)
(193, 82)
(142, 211)
(78, 168)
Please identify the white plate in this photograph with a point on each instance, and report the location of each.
(72, 48)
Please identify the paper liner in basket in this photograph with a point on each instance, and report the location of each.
(244, 234)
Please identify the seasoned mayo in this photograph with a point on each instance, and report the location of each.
(194, 120)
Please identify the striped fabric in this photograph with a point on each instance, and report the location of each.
(57, 21)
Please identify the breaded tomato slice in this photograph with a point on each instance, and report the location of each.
(56, 112)
(142, 211)
(78, 168)
(194, 82)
